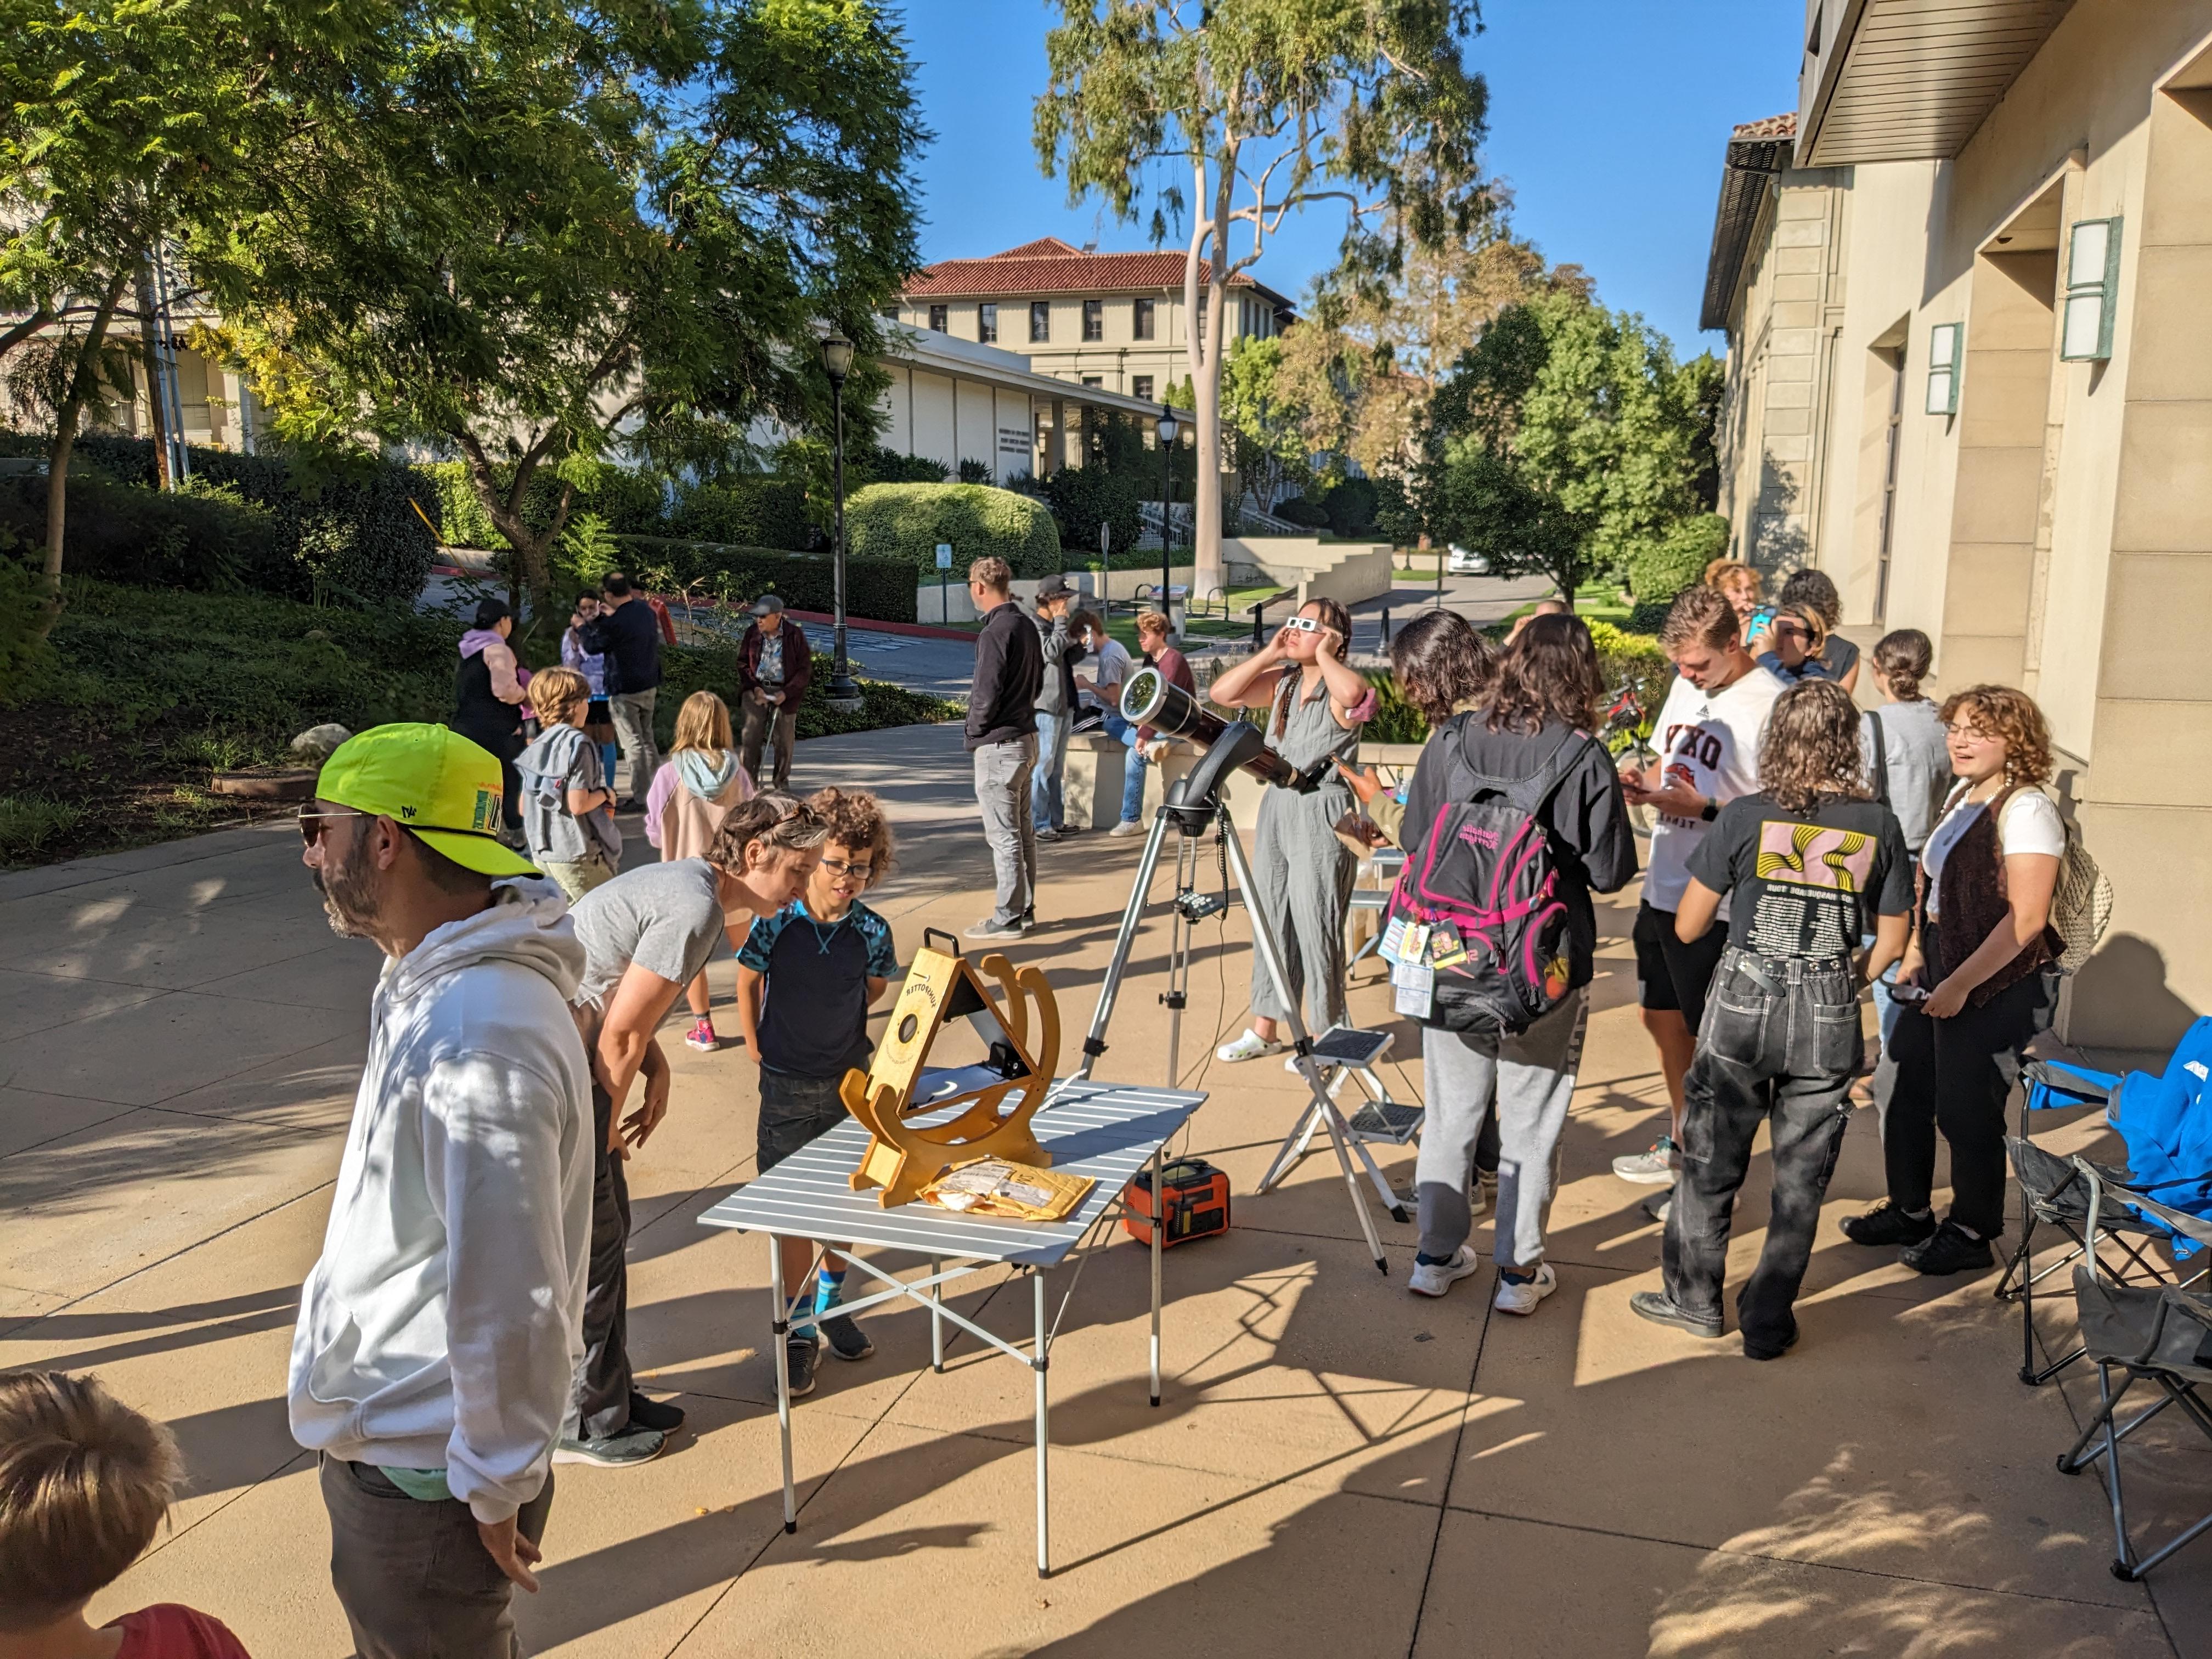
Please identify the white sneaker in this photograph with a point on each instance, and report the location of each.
(1435, 1278)
(1127, 827)
(1250, 1046)
(1482, 1192)
(1524, 1297)
(1290, 1063)
(1654, 1166)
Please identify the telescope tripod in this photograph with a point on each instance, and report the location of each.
(1188, 823)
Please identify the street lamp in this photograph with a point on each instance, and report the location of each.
(1167, 430)
(842, 693)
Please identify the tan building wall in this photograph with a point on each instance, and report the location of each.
(2056, 532)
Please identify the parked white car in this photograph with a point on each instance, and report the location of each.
(1464, 564)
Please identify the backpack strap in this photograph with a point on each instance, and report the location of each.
(1881, 779)
(1530, 793)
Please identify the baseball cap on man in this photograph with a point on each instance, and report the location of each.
(1053, 588)
(431, 781)
(766, 605)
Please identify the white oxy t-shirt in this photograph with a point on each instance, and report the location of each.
(1708, 740)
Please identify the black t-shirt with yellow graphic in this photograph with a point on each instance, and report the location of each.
(1808, 885)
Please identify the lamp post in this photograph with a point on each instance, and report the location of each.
(842, 693)
(1167, 430)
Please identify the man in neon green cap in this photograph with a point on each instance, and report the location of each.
(439, 1334)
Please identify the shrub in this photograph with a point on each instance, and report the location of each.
(1629, 662)
(345, 527)
(878, 466)
(1082, 498)
(1299, 511)
(630, 502)
(1658, 570)
(1349, 507)
(203, 535)
(908, 521)
(882, 589)
(761, 512)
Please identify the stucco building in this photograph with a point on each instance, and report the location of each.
(1967, 287)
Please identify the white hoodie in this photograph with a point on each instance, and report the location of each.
(442, 1326)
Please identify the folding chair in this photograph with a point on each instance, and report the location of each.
(2161, 1334)
(2145, 1108)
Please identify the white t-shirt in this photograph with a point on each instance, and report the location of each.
(1108, 666)
(2031, 823)
(1710, 741)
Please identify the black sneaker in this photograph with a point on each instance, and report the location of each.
(1886, 1226)
(799, 1355)
(634, 1445)
(660, 1414)
(846, 1339)
(1765, 1351)
(1949, 1250)
(1653, 1306)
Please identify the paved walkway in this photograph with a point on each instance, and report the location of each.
(1336, 1469)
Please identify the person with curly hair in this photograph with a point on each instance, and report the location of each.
(1980, 980)
(1812, 865)
(806, 978)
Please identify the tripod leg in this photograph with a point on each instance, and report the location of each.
(1094, 1044)
(1263, 942)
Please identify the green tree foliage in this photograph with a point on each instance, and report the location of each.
(129, 126)
(1229, 115)
(1659, 570)
(1563, 443)
(1263, 420)
(538, 236)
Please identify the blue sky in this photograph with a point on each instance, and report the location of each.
(1606, 117)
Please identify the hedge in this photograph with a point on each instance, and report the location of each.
(202, 536)
(881, 589)
(341, 529)
(908, 521)
(750, 513)
(1629, 662)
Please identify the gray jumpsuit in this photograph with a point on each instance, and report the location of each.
(1303, 872)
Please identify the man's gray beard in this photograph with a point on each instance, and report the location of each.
(349, 892)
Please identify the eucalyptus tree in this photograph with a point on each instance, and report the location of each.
(1230, 116)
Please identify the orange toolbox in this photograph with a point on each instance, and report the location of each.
(1193, 1194)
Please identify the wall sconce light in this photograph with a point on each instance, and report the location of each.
(2093, 285)
(1947, 344)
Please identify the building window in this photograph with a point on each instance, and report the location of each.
(938, 319)
(1040, 321)
(2093, 282)
(1094, 319)
(986, 323)
(1097, 380)
(1143, 320)
(1140, 385)
(1946, 347)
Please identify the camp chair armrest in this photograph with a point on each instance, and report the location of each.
(2077, 1084)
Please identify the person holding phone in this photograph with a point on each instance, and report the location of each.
(1316, 704)
(1983, 962)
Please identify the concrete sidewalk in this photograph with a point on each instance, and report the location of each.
(1337, 1467)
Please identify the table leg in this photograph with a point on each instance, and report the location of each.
(1159, 1226)
(779, 1327)
(1043, 1437)
(936, 1321)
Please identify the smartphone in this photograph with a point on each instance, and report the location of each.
(1908, 993)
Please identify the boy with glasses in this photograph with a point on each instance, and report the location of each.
(806, 978)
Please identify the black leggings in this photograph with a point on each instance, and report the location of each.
(1954, 1074)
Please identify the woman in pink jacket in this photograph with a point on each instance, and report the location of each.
(692, 792)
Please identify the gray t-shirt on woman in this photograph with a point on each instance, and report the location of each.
(1919, 766)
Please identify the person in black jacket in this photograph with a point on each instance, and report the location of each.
(626, 632)
(1543, 709)
(1002, 737)
(488, 699)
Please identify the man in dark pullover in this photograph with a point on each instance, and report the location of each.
(1002, 737)
(626, 632)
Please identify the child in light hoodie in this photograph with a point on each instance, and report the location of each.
(567, 811)
(438, 1333)
(691, 794)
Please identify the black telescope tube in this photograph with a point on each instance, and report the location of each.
(1150, 698)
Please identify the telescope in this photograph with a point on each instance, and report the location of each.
(1152, 699)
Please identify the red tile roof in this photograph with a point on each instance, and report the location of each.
(1774, 126)
(1049, 265)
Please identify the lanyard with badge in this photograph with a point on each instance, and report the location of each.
(1413, 979)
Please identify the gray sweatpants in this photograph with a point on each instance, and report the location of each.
(1002, 795)
(1531, 1079)
(633, 717)
(1304, 876)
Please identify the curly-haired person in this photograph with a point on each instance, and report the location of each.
(1812, 865)
(1983, 961)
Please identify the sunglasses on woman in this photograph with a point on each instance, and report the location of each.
(1309, 625)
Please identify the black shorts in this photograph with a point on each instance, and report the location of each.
(794, 1111)
(1670, 975)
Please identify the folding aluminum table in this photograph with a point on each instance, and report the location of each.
(1108, 1131)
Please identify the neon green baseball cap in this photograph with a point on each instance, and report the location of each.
(431, 781)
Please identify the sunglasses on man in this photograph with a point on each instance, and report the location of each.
(311, 820)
